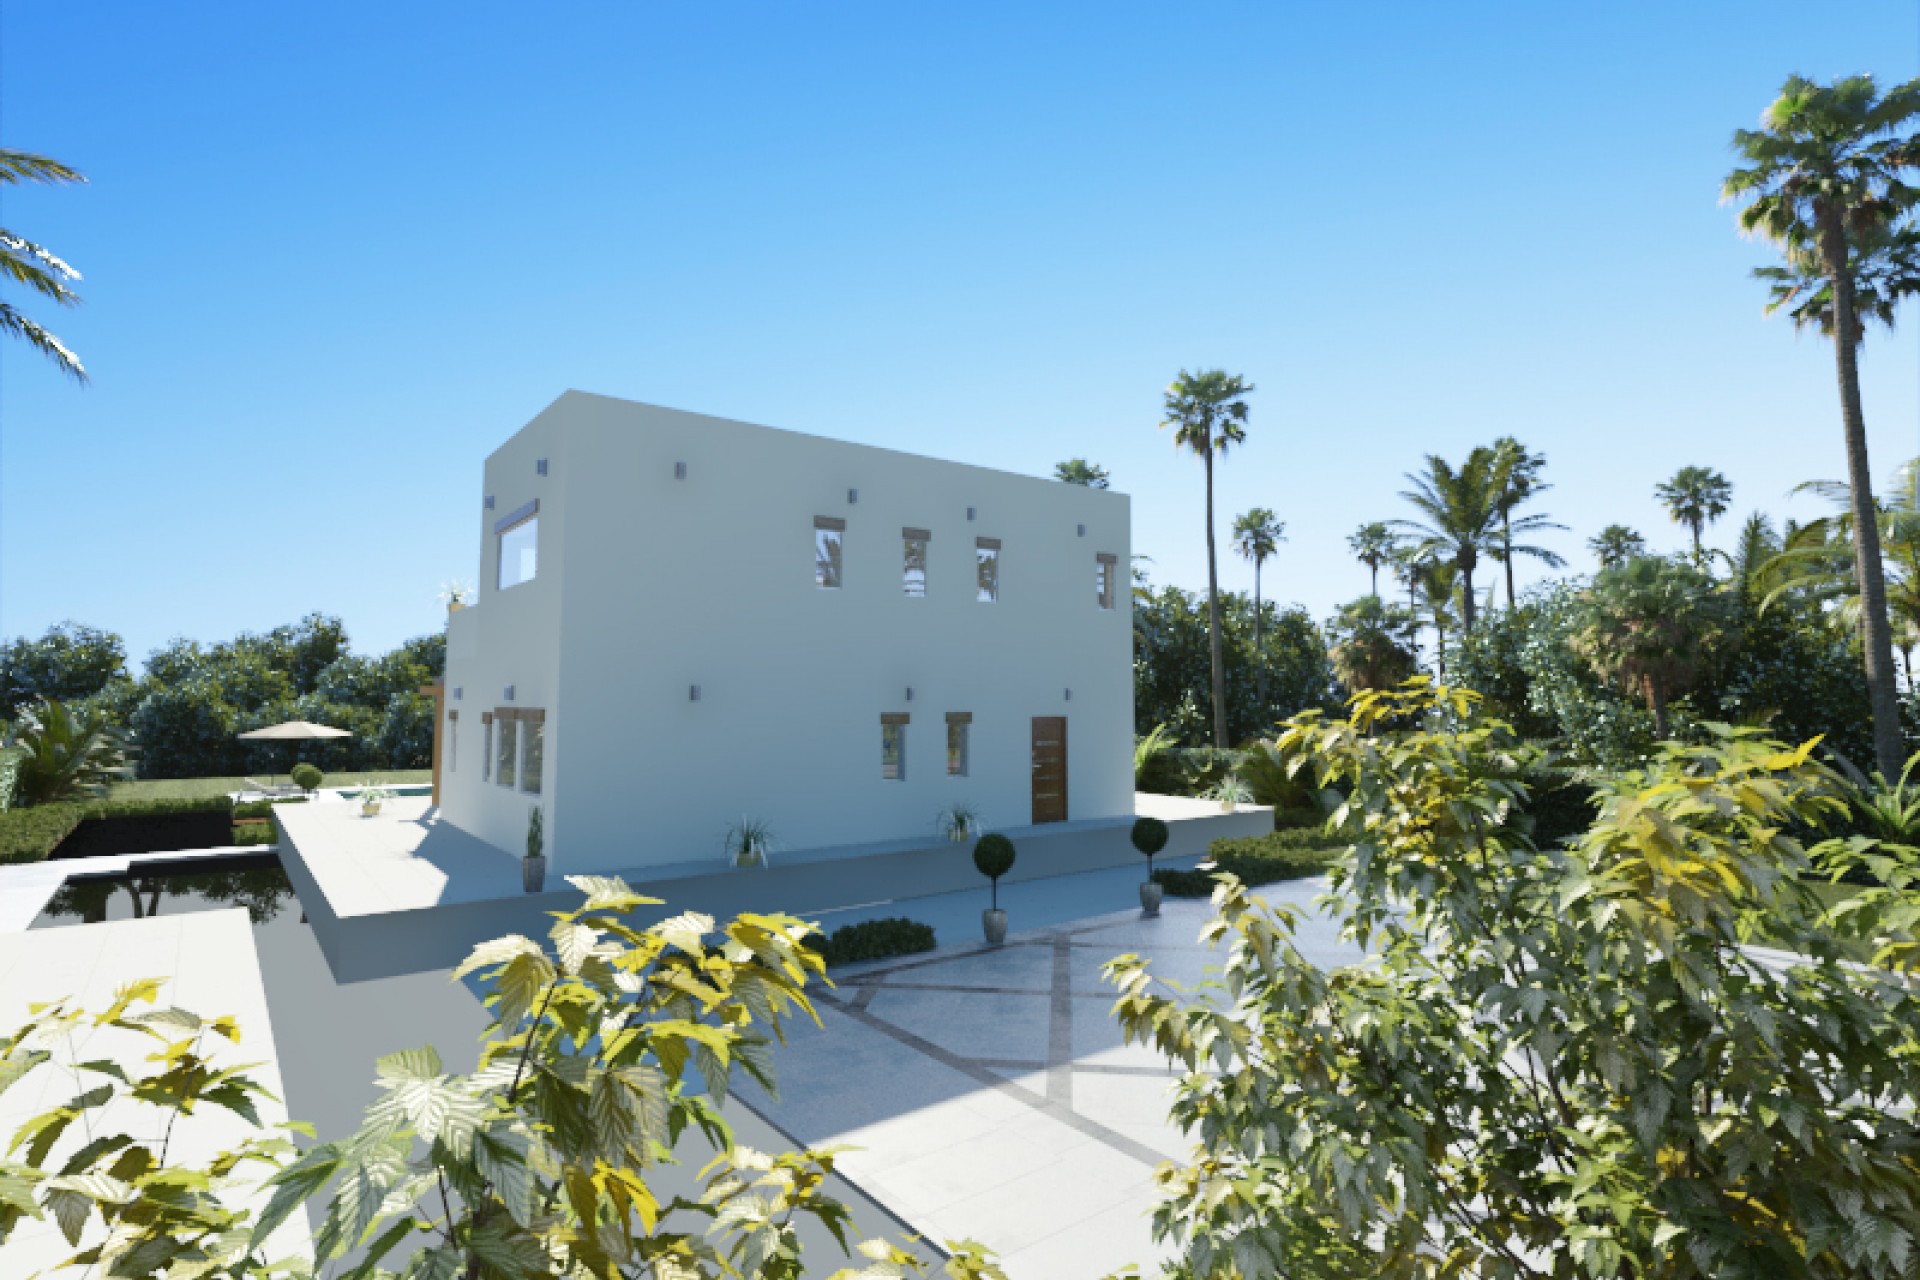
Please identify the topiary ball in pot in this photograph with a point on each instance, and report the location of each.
(307, 776)
(1149, 836)
(993, 858)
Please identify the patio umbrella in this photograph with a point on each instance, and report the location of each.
(294, 731)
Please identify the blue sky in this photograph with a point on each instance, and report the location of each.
(335, 254)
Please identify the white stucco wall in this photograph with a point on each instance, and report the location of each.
(650, 584)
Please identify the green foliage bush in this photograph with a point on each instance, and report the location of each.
(1172, 668)
(31, 835)
(1149, 835)
(993, 855)
(873, 940)
(306, 776)
(264, 808)
(1285, 855)
(252, 833)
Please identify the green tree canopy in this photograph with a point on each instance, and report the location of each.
(1080, 471)
(1616, 544)
(1695, 497)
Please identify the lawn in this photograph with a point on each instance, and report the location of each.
(201, 788)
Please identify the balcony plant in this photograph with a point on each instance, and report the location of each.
(371, 799)
(1149, 836)
(749, 843)
(958, 823)
(533, 868)
(993, 858)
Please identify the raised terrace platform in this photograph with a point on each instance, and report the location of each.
(405, 892)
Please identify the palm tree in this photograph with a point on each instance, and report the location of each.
(1828, 170)
(1371, 644)
(1883, 262)
(1754, 549)
(64, 756)
(1373, 545)
(1257, 535)
(1081, 472)
(25, 263)
(1208, 414)
(1616, 544)
(1466, 519)
(1523, 484)
(1648, 623)
(1695, 497)
(1437, 585)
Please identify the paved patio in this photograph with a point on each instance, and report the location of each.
(990, 1094)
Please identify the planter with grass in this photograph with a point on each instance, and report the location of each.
(993, 858)
(749, 843)
(533, 868)
(1150, 837)
(371, 799)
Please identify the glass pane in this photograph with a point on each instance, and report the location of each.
(533, 758)
(826, 559)
(916, 567)
(893, 752)
(486, 749)
(519, 552)
(453, 743)
(957, 750)
(503, 758)
(989, 563)
(1105, 584)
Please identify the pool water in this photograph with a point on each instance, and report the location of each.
(251, 881)
(406, 789)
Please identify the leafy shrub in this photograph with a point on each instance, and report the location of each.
(306, 776)
(252, 833)
(1255, 860)
(111, 826)
(29, 835)
(873, 940)
(264, 808)
(63, 754)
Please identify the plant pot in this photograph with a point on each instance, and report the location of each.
(995, 924)
(533, 873)
(370, 808)
(455, 606)
(1151, 892)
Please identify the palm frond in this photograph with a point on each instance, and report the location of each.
(37, 337)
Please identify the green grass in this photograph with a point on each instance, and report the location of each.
(202, 788)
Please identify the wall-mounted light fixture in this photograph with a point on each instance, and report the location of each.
(970, 513)
(540, 467)
(457, 691)
(679, 471)
(1069, 695)
(506, 694)
(693, 693)
(1083, 531)
(853, 496)
(909, 693)
(489, 502)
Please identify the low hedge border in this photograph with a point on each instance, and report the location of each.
(33, 834)
(1293, 854)
(873, 940)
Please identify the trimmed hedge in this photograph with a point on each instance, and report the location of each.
(263, 808)
(1285, 855)
(873, 940)
(104, 827)
(252, 833)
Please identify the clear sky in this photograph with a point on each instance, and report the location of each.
(334, 254)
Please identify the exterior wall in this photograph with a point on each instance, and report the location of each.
(649, 585)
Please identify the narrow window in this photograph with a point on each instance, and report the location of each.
(453, 739)
(986, 557)
(486, 745)
(533, 752)
(914, 561)
(827, 533)
(893, 747)
(509, 749)
(959, 723)
(519, 536)
(1106, 564)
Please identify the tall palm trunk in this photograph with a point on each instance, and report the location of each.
(1375, 566)
(1506, 551)
(1259, 646)
(1889, 745)
(1440, 644)
(1467, 613)
(1213, 619)
(1657, 703)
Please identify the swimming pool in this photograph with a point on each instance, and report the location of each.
(403, 789)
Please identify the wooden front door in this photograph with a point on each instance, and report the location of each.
(1049, 769)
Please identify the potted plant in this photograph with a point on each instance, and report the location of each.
(1230, 791)
(993, 857)
(307, 777)
(371, 799)
(456, 595)
(749, 843)
(1150, 837)
(958, 823)
(533, 869)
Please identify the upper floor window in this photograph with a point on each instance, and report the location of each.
(913, 543)
(827, 533)
(986, 558)
(893, 746)
(518, 533)
(1104, 580)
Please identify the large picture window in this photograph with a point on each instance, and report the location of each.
(519, 537)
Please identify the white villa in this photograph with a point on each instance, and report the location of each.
(685, 621)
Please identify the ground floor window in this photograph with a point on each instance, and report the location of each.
(959, 725)
(486, 745)
(506, 756)
(893, 747)
(453, 739)
(533, 755)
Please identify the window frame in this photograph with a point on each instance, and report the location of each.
(986, 551)
(893, 741)
(829, 530)
(910, 540)
(1107, 572)
(962, 723)
(528, 514)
